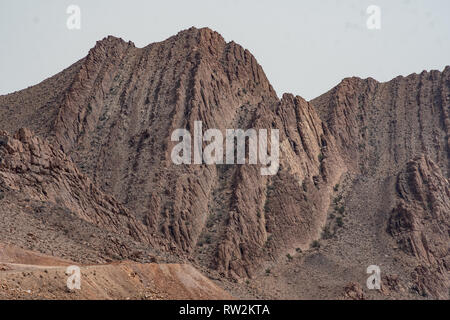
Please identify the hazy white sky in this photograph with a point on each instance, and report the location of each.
(305, 47)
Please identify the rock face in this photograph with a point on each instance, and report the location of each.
(353, 291)
(42, 189)
(395, 135)
(115, 120)
(110, 116)
(382, 126)
(420, 224)
(31, 166)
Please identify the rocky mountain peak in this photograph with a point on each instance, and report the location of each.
(363, 167)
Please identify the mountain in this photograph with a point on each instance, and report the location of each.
(29, 275)
(363, 175)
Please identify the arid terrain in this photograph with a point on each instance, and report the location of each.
(86, 178)
(29, 275)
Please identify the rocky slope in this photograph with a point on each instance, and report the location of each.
(44, 197)
(420, 224)
(27, 275)
(29, 165)
(343, 157)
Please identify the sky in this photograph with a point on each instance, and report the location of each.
(305, 47)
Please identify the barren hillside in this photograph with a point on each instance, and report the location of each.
(363, 175)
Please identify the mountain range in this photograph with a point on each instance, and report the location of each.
(86, 173)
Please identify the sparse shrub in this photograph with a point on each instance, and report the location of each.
(326, 233)
(341, 210)
(337, 199)
(268, 271)
(298, 250)
(269, 238)
(266, 205)
(336, 187)
(206, 239)
(289, 257)
(316, 180)
(210, 222)
(315, 244)
(321, 157)
(339, 221)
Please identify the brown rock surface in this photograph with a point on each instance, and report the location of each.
(29, 276)
(420, 224)
(353, 291)
(345, 177)
(31, 166)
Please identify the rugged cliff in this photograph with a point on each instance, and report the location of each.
(110, 116)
